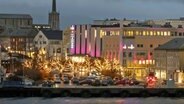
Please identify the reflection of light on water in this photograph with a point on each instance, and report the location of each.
(120, 102)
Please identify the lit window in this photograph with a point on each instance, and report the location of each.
(151, 33)
(158, 33)
(169, 33)
(165, 33)
(162, 33)
(155, 33)
(147, 33)
(144, 33)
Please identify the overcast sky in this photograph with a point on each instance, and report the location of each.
(84, 11)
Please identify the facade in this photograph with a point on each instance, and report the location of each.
(132, 45)
(173, 22)
(16, 20)
(54, 20)
(80, 39)
(41, 26)
(169, 60)
(49, 43)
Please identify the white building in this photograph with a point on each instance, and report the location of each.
(49, 43)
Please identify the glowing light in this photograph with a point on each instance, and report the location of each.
(72, 28)
(124, 47)
(131, 47)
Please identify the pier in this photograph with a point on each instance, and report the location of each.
(91, 91)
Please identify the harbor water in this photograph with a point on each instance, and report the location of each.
(35, 100)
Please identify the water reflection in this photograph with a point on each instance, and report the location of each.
(154, 100)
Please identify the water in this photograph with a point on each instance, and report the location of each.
(151, 100)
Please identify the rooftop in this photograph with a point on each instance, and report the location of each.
(53, 34)
(15, 16)
(174, 44)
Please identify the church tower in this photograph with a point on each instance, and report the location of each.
(54, 17)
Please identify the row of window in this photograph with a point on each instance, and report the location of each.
(147, 33)
(54, 50)
(41, 42)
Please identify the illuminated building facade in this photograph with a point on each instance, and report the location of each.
(133, 44)
(169, 59)
(49, 43)
(80, 42)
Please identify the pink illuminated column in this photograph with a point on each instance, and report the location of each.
(72, 36)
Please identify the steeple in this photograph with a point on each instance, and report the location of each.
(54, 20)
(53, 5)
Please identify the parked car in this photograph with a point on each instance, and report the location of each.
(110, 80)
(133, 82)
(66, 80)
(104, 82)
(120, 82)
(96, 82)
(47, 83)
(75, 80)
(86, 81)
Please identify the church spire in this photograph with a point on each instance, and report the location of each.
(54, 20)
(54, 6)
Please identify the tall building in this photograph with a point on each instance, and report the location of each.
(54, 17)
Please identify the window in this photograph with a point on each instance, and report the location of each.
(40, 36)
(180, 34)
(151, 45)
(80, 28)
(53, 50)
(44, 42)
(130, 54)
(86, 27)
(124, 54)
(59, 50)
(138, 45)
(151, 53)
(175, 33)
(141, 45)
(36, 42)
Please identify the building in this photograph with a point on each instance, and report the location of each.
(80, 39)
(49, 43)
(41, 26)
(15, 20)
(13, 25)
(173, 22)
(21, 41)
(169, 60)
(54, 20)
(130, 42)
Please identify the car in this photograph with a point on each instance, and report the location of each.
(66, 80)
(133, 82)
(120, 82)
(104, 82)
(75, 80)
(47, 83)
(87, 81)
(110, 80)
(96, 82)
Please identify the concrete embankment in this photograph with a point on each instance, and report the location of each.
(91, 92)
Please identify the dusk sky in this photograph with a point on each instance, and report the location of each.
(84, 11)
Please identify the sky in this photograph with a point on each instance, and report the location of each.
(85, 11)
